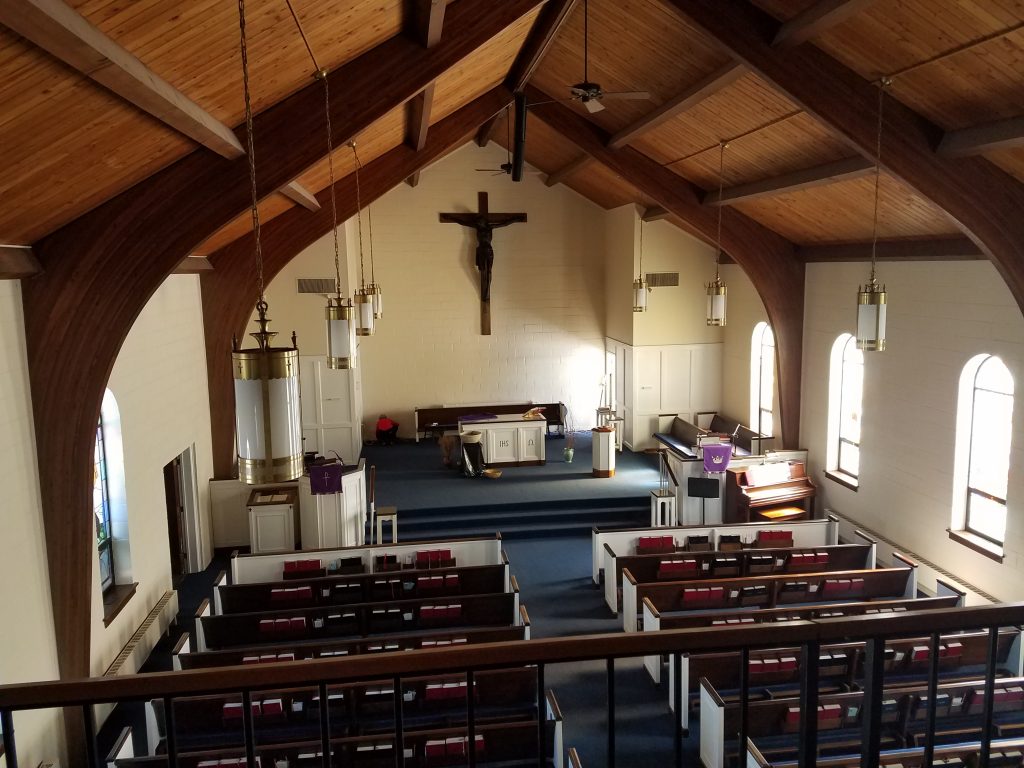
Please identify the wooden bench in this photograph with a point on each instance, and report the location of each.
(1005, 753)
(744, 562)
(438, 419)
(770, 591)
(360, 619)
(773, 724)
(184, 658)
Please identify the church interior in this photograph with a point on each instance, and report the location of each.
(792, 228)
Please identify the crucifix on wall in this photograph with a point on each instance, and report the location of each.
(484, 223)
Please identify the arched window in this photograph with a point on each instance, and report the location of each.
(101, 509)
(846, 395)
(983, 436)
(762, 379)
(109, 503)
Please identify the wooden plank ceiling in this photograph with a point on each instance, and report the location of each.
(70, 144)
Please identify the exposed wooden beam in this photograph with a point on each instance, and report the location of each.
(102, 268)
(427, 21)
(418, 124)
(904, 249)
(568, 170)
(655, 213)
(766, 257)
(543, 33)
(63, 33)
(983, 200)
(819, 175)
(17, 262)
(688, 99)
(818, 19)
(1001, 134)
(196, 265)
(300, 195)
(228, 291)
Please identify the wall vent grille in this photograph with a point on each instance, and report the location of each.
(322, 285)
(662, 279)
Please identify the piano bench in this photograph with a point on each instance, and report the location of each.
(781, 515)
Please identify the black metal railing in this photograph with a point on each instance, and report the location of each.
(808, 635)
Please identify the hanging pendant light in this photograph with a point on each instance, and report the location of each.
(267, 418)
(871, 297)
(376, 295)
(364, 293)
(640, 288)
(341, 327)
(717, 289)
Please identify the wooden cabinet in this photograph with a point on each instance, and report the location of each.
(272, 520)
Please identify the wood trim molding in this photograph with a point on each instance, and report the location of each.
(300, 195)
(767, 258)
(688, 99)
(1001, 134)
(805, 178)
(101, 269)
(63, 33)
(196, 265)
(906, 249)
(543, 33)
(567, 170)
(18, 262)
(848, 105)
(228, 291)
(655, 213)
(817, 20)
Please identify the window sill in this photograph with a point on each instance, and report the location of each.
(844, 480)
(978, 544)
(115, 599)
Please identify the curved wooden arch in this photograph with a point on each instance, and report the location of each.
(768, 259)
(229, 290)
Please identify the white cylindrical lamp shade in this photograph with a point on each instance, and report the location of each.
(341, 335)
(871, 304)
(268, 423)
(364, 312)
(639, 295)
(717, 291)
(377, 297)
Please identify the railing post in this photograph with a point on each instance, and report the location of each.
(677, 660)
(933, 691)
(325, 727)
(7, 725)
(871, 709)
(807, 749)
(399, 724)
(744, 696)
(248, 736)
(541, 719)
(610, 759)
(471, 718)
(990, 696)
(91, 752)
(170, 733)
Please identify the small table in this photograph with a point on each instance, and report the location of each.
(390, 514)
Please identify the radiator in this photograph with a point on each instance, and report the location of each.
(141, 644)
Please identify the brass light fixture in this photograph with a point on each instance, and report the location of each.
(871, 297)
(267, 418)
(376, 295)
(717, 289)
(640, 287)
(364, 293)
(341, 328)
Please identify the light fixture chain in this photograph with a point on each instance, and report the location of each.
(302, 34)
(721, 185)
(586, 41)
(641, 248)
(251, 150)
(330, 166)
(359, 216)
(883, 83)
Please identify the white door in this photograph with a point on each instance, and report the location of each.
(331, 410)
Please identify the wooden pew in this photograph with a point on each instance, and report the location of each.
(362, 588)
(744, 562)
(773, 724)
(300, 650)
(361, 619)
(1005, 753)
(770, 591)
(439, 419)
(474, 550)
(611, 542)
(775, 672)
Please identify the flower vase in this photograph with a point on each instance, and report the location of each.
(568, 453)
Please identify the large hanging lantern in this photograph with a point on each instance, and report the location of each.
(364, 311)
(871, 298)
(376, 294)
(341, 334)
(364, 303)
(716, 289)
(640, 287)
(268, 423)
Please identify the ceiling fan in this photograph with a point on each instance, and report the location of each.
(588, 93)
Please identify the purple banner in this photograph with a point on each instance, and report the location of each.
(716, 457)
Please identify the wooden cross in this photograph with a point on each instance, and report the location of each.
(484, 223)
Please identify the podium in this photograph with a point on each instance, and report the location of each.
(603, 449)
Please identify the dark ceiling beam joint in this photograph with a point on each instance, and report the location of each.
(569, 169)
(18, 262)
(817, 19)
(427, 23)
(806, 178)
(987, 137)
(903, 249)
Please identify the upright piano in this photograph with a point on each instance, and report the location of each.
(776, 492)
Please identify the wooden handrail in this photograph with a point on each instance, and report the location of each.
(41, 695)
